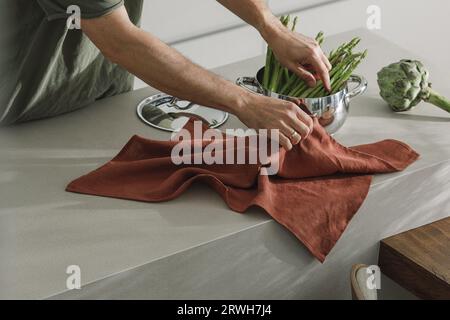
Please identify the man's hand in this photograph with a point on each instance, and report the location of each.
(167, 70)
(298, 53)
(259, 112)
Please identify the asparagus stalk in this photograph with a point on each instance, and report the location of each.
(340, 78)
(277, 68)
(347, 73)
(343, 50)
(320, 38)
(278, 79)
(335, 74)
(345, 60)
(267, 68)
(294, 24)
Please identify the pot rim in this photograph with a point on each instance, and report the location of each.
(361, 88)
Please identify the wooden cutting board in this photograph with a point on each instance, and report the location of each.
(419, 260)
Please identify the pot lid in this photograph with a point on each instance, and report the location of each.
(168, 113)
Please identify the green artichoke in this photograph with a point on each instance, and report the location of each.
(404, 84)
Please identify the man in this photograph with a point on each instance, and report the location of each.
(46, 69)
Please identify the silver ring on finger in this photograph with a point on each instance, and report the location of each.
(294, 135)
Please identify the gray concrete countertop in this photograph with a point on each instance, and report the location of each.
(44, 229)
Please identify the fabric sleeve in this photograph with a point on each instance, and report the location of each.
(57, 9)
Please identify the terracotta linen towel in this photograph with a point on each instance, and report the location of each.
(320, 184)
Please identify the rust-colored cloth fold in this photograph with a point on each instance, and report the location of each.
(320, 184)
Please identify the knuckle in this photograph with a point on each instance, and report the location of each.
(305, 129)
(313, 46)
(311, 49)
(308, 130)
(303, 132)
(322, 74)
(317, 55)
(291, 107)
(306, 120)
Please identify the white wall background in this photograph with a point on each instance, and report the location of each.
(211, 36)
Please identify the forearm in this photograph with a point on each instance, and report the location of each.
(163, 67)
(256, 13)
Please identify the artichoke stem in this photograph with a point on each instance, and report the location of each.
(438, 100)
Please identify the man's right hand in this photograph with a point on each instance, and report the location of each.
(259, 112)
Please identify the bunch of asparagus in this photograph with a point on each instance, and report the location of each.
(344, 61)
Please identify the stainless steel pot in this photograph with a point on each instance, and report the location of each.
(331, 111)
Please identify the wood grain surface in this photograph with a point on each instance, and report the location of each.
(419, 260)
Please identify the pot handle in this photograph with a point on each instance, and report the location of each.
(360, 88)
(250, 84)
